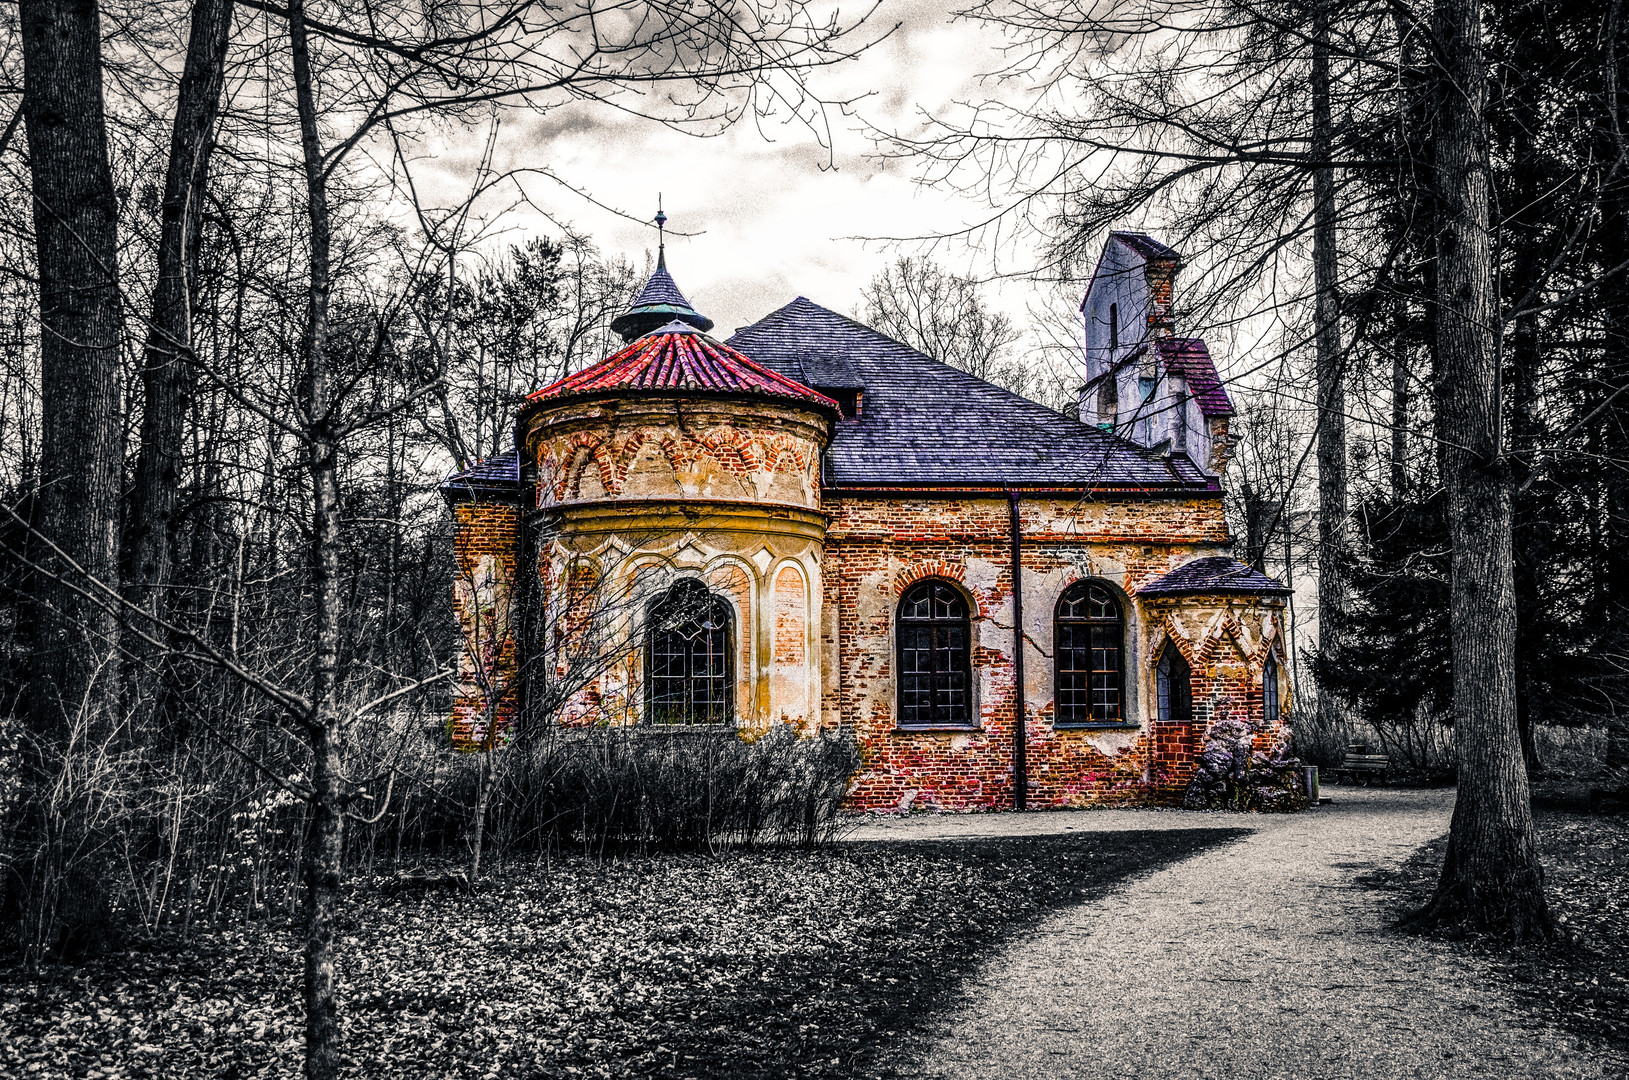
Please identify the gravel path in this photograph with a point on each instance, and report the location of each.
(1262, 959)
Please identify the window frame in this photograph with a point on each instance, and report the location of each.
(1271, 691)
(726, 630)
(1164, 702)
(1061, 625)
(963, 657)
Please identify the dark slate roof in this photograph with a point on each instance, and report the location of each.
(1191, 358)
(1145, 245)
(658, 303)
(678, 357)
(661, 288)
(924, 423)
(1213, 574)
(497, 477)
(828, 372)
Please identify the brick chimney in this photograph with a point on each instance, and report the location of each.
(1161, 276)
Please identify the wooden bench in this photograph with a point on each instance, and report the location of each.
(1360, 766)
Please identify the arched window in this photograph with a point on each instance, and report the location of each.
(1089, 655)
(935, 668)
(1174, 683)
(1269, 690)
(687, 657)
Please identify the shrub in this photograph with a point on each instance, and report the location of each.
(666, 789)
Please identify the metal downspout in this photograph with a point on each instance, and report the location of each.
(1020, 738)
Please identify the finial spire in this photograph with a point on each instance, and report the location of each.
(660, 302)
(661, 233)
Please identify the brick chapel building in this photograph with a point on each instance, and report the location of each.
(812, 524)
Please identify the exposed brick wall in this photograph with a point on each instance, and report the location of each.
(485, 541)
(876, 548)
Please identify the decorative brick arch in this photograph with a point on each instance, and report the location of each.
(930, 568)
(583, 456)
(624, 456)
(781, 452)
(1170, 631)
(732, 448)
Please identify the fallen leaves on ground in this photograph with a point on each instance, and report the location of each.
(748, 964)
(1580, 982)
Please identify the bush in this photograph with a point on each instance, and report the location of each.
(666, 789)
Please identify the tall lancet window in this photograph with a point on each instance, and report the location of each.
(1270, 711)
(687, 657)
(1174, 683)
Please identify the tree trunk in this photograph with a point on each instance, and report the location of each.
(71, 673)
(1491, 877)
(1399, 401)
(1613, 430)
(477, 825)
(167, 373)
(1332, 530)
(324, 853)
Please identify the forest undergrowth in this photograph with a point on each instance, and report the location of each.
(769, 963)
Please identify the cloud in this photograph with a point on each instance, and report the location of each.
(775, 213)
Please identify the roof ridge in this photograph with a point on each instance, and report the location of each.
(1090, 430)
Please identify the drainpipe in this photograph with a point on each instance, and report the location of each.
(1020, 770)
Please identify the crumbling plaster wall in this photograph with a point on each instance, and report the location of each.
(878, 547)
(658, 488)
(644, 448)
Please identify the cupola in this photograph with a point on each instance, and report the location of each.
(660, 301)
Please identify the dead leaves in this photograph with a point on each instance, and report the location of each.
(768, 964)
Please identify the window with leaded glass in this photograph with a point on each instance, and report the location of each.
(687, 657)
(1173, 682)
(935, 669)
(1089, 656)
(1269, 690)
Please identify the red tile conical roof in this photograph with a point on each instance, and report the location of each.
(679, 358)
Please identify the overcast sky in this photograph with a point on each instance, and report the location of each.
(774, 215)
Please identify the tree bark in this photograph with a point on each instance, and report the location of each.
(1613, 431)
(167, 375)
(72, 676)
(325, 851)
(1491, 877)
(1332, 524)
(1399, 401)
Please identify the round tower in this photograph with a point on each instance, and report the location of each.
(678, 509)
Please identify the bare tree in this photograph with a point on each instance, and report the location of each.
(944, 315)
(1491, 876)
(168, 372)
(73, 679)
